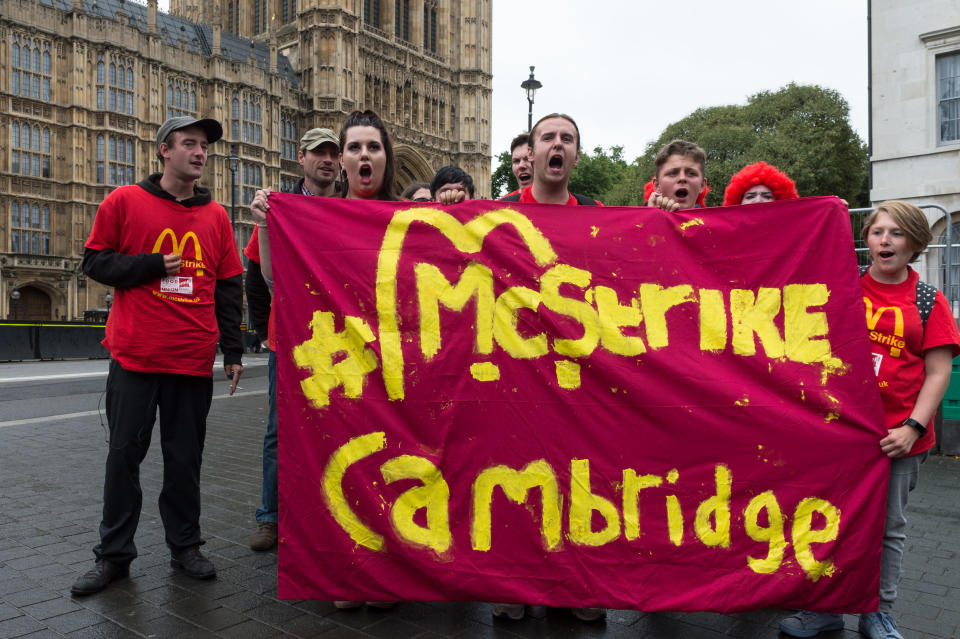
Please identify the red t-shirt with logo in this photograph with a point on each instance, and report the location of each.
(167, 325)
(252, 251)
(526, 197)
(899, 341)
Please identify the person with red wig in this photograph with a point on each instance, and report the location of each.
(759, 182)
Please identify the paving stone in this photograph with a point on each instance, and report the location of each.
(307, 626)
(19, 626)
(28, 597)
(251, 629)
(51, 608)
(217, 619)
(8, 612)
(105, 630)
(43, 634)
(74, 621)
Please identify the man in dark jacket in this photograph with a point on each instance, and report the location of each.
(319, 157)
(170, 252)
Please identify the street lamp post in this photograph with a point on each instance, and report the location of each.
(530, 85)
(108, 298)
(15, 297)
(233, 163)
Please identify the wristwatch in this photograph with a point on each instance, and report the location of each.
(915, 425)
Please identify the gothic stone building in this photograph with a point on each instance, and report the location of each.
(85, 84)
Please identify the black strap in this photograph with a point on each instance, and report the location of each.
(513, 197)
(926, 296)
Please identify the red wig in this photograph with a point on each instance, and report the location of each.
(648, 189)
(760, 173)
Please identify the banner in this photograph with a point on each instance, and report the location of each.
(575, 406)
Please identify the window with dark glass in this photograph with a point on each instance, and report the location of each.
(29, 227)
(948, 98)
(29, 149)
(30, 67)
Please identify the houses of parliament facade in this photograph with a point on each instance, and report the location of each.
(85, 84)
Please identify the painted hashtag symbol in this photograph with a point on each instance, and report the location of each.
(322, 351)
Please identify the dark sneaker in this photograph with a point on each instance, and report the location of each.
(103, 573)
(879, 625)
(264, 537)
(193, 563)
(806, 623)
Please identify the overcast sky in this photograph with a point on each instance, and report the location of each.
(625, 69)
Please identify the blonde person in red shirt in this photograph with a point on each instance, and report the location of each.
(914, 339)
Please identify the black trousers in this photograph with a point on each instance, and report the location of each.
(132, 402)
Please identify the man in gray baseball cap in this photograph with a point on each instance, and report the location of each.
(319, 156)
(210, 126)
(168, 250)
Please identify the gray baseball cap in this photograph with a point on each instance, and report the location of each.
(212, 128)
(315, 137)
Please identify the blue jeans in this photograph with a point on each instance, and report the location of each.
(268, 510)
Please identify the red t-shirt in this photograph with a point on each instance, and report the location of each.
(899, 341)
(526, 197)
(167, 325)
(253, 252)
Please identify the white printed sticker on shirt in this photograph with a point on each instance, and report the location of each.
(877, 358)
(177, 284)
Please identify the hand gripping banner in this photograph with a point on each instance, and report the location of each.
(575, 406)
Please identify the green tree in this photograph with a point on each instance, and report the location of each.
(596, 174)
(503, 180)
(803, 130)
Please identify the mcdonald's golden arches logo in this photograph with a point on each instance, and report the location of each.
(178, 247)
(895, 341)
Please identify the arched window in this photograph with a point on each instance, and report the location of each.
(181, 97)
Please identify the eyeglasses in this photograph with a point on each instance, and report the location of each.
(422, 199)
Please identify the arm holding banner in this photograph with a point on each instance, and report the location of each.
(259, 208)
(938, 364)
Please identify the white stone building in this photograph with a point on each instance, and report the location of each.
(915, 118)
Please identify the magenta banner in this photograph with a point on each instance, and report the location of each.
(575, 406)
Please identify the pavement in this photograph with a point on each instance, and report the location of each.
(51, 473)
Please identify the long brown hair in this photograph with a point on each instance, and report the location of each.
(369, 118)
